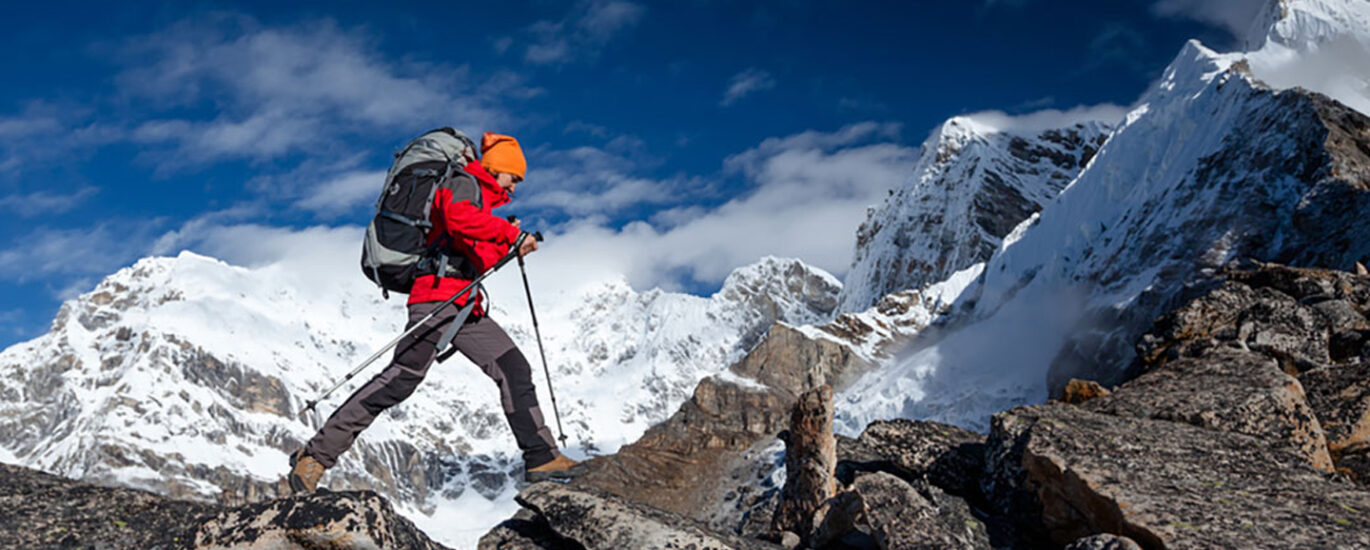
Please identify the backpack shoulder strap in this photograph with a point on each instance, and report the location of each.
(464, 186)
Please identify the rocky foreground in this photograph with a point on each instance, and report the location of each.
(39, 510)
(1246, 425)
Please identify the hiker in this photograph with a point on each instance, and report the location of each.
(470, 241)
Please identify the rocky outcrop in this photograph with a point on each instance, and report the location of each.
(810, 464)
(903, 484)
(898, 516)
(1070, 473)
(942, 455)
(1341, 395)
(353, 519)
(1227, 390)
(685, 465)
(1245, 403)
(569, 516)
(1311, 323)
(43, 510)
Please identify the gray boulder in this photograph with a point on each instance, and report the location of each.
(40, 510)
(1229, 390)
(597, 520)
(46, 511)
(1163, 484)
(360, 520)
(525, 531)
(946, 456)
(1341, 397)
(899, 516)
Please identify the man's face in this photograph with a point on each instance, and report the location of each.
(507, 181)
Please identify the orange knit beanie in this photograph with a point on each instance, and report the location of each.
(501, 153)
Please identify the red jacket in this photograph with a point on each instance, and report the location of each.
(477, 234)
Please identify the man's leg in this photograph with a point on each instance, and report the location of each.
(489, 347)
(413, 356)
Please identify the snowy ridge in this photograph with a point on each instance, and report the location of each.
(1211, 166)
(974, 182)
(182, 375)
(1320, 45)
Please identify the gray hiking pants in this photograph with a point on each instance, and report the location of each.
(482, 341)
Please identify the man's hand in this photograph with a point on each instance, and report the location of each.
(528, 245)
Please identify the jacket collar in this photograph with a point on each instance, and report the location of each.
(488, 182)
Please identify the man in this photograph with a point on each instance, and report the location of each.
(463, 228)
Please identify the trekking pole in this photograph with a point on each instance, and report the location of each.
(536, 331)
(513, 252)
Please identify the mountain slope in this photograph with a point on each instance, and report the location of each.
(183, 376)
(974, 182)
(1212, 165)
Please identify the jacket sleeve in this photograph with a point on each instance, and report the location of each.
(465, 221)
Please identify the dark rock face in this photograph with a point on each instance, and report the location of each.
(39, 510)
(525, 531)
(1310, 322)
(898, 516)
(583, 517)
(1164, 484)
(1341, 395)
(42, 511)
(943, 455)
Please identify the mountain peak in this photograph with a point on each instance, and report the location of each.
(1307, 25)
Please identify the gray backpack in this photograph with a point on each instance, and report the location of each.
(396, 250)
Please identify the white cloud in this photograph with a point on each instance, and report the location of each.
(14, 321)
(297, 88)
(589, 180)
(808, 194)
(68, 253)
(27, 125)
(1049, 118)
(45, 203)
(314, 249)
(1235, 16)
(47, 131)
(342, 193)
(583, 33)
(804, 198)
(746, 83)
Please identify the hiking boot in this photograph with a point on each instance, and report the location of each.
(304, 472)
(558, 469)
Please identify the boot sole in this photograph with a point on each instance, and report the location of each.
(562, 476)
(297, 485)
(535, 477)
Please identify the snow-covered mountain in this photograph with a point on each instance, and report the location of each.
(184, 375)
(1215, 163)
(1057, 246)
(974, 183)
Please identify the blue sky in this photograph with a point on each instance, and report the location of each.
(686, 138)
